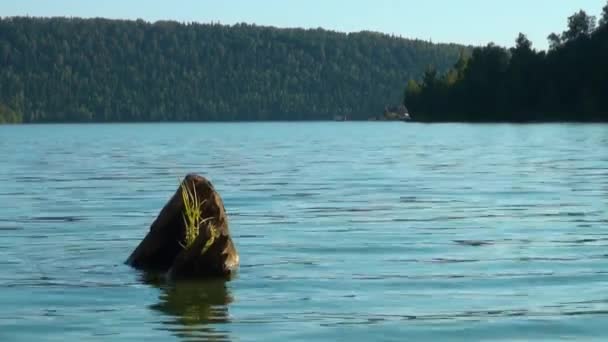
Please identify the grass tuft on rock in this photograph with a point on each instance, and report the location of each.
(193, 218)
(191, 214)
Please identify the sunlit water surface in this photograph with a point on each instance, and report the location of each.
(346, 231)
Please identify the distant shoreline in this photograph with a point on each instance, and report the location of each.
(304, 121)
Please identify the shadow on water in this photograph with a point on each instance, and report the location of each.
(194, 308)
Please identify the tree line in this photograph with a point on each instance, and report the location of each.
(569, 82)
(100, 70)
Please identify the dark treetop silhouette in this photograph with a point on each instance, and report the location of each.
(567, 83)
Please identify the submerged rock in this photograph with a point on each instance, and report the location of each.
(206, 252)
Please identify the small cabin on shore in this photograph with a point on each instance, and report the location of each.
(341, 118)
(397, 113)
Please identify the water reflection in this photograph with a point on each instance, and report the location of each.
(195, 309)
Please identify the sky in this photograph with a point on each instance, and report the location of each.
(472, 22)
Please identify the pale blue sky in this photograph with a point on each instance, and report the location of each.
(462, 21)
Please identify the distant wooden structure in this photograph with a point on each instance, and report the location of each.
(396, 113)
(341, 118)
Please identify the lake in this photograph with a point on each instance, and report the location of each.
(346, 231)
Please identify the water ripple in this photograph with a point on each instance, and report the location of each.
(347, 231)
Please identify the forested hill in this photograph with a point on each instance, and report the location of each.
(80, 70)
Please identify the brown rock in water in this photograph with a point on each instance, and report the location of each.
(164, 247)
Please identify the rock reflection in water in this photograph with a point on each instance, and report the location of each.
(195, 308)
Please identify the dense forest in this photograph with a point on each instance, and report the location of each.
(567, 83)
(99, 70)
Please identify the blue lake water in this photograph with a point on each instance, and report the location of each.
(346, 231)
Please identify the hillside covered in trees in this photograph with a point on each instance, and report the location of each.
(99, 70)
(567, 83)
